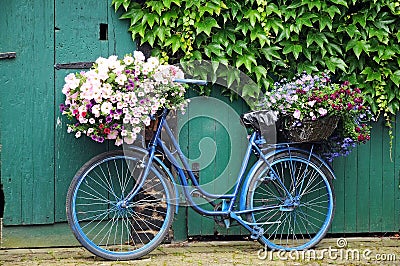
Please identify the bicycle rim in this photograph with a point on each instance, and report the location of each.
(105, 227)
(298, 221)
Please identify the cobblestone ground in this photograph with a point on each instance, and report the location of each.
(349, 251)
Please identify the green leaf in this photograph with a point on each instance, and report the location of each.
(260, 72)
(161, 32)
(334, 62)
(360, 18)
(149, 37)
(253, 15)
(238, 47)
(285, 34)
(197, 55)
(258, 33)
(381, 35)
(332, 10)
(175, 42)
(273, 8)
(213, 48)
(168, 17)
(206, 25)
(243, 26)
(295, 49)
(156, 6)
(150, 18)
(248, 60)
(305, 20)
(137, 29)
(395, 77)
(271, 53)
(324, 21)
(318, 38)
(135, 14)
(358, 46)
(340, 2)
(274, 24)
(167, 3)
(332, 47)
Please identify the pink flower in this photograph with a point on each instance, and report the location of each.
(297, 114)
(322, 111)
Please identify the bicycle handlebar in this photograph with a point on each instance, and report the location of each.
(191, 81)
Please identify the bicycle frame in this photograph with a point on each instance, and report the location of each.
(232, 198)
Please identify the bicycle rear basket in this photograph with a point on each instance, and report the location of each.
(291, 130)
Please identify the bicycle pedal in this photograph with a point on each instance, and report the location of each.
(256, 232)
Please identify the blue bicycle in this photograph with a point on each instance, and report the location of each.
(121, 204)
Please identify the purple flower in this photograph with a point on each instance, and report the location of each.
(108, 119)
(62, 107)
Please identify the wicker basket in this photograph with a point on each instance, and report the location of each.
(290, 130)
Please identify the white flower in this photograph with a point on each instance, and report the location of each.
(90, 130)
(128, 60)
(121, 79)
(153, 61)
(78, 134)
(124, 133)
(130, 140)
(72, 81)
(106, 108)
(139, 56)
(69, 130)
(311, 103)
(92, 121)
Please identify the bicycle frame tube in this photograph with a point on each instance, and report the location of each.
(182, 177)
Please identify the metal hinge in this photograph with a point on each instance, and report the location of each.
(76, 65)
(8, 55)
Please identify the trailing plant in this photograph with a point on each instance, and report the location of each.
(356, 40)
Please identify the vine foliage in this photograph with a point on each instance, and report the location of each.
(356, 40)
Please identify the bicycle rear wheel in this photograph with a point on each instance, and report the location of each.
(296, 213)
(99, 220)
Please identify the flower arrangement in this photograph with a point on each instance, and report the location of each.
(113, 100)
(314, 97)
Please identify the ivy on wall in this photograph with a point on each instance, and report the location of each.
(357, 40)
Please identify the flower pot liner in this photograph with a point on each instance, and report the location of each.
(292, 130)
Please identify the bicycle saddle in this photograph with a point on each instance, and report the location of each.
(258, 119)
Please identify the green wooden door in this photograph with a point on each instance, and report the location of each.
(84, 30)
(26, 111)
(38, 157)
(214, 142)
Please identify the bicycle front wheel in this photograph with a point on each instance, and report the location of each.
(295, 201)
(99, 219)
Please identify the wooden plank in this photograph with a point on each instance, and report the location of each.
(77, 39)
(119, 39)
(396, 142)
(350, 195)
(27, 164)
(339, 184)
(388, 183)
(375, 213)
(362, 190)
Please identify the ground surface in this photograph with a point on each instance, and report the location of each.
(351, 251)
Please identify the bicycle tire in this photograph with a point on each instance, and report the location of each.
(101, 224)
(302, 226)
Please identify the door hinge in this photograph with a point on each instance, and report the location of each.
(8, 55)
(76, 65)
